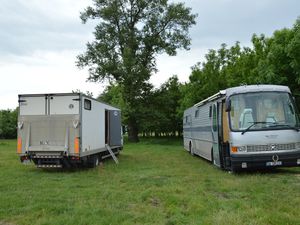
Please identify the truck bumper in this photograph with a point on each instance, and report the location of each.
(264, 160)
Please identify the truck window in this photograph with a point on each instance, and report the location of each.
(87, 104)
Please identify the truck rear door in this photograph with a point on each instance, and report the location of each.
(33, 105)
(63, 105)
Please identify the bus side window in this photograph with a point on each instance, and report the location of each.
(197, 113)
(215, 121)
(186, 120)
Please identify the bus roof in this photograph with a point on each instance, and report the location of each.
(244, 89)
(256, 88)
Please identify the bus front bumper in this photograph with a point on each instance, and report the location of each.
(264, 160)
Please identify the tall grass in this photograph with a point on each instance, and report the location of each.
(156, 182)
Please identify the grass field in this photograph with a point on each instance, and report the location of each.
(156, 182)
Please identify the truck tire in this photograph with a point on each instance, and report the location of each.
(93, 161)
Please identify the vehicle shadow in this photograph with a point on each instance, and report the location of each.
(74, 168)
(251, 171)
(269, 171)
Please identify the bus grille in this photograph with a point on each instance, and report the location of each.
(271, 147)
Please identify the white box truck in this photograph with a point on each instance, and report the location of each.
(67, 130)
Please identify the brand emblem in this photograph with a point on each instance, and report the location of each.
(273, 147)
(275, 158)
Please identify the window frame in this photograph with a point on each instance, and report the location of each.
(87, 104)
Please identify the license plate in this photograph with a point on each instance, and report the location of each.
(277, 163)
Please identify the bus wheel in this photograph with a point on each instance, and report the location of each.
(191, 149)
(212, 157)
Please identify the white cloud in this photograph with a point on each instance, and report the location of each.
(179, 65)
(40, 40)
(46, 72)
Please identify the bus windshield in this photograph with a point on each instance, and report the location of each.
(263, 111)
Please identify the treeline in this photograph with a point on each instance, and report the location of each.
(8, 124)
(158, 111)
(271, 60)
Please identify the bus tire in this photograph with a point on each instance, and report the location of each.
(191, 148)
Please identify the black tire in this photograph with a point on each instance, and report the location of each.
(93, 161)
(117, 153)
(191, 149)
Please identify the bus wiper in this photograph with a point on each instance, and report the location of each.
(254, 123)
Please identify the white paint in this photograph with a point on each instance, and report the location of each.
(32, 106)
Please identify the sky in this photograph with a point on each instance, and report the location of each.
(40, 39)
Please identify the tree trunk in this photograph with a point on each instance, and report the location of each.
(133, 131)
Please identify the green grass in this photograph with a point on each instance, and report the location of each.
(156, 182)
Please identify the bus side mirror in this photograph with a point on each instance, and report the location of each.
(228, 105)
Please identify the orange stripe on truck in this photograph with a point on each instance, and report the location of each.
(19, 146)
(76, 145)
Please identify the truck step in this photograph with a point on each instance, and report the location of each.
(49, 166)
(47, 156)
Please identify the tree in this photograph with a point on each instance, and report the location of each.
(160, 114)
(8, 123)
(170, 97)
(128, 37)
(273, 60)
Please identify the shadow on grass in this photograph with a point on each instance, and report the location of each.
(267, 171)
(74, 169)
(159, 141)
(252, 171)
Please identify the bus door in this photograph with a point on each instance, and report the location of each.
(215, 134)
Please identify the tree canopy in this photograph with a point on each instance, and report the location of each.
(273, 60)
(8, 123)
(270, 60)
(128, 37)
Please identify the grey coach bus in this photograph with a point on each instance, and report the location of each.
(255, 126)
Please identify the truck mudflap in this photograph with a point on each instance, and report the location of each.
(264, 160)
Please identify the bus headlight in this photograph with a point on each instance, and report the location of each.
(241, 149)
(238, 149)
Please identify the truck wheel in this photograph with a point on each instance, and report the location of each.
(93, 161)
(96, 160)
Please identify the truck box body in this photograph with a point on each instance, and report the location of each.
(57, 130)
